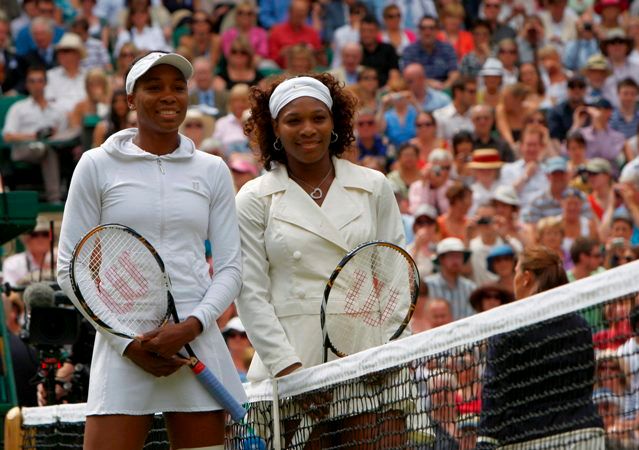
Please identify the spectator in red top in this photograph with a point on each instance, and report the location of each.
(452, 20)
(293, 31)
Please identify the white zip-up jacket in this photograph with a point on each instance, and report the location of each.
(175, 201)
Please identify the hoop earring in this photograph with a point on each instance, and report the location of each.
(277, 145)
(334, 137)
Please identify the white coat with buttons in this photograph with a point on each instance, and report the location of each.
(290, 246)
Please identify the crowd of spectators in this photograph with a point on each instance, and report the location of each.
(499, 123)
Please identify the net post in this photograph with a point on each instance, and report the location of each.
(277, 434)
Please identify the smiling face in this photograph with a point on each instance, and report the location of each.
(160, 99)
(304, 126)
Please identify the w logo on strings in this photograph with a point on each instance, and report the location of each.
(126, 280)
(371, 311)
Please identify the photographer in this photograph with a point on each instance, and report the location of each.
(531, 38)
(578, 51)
(431, 188)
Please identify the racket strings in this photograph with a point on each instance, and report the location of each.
(370, 298)
(121, 281)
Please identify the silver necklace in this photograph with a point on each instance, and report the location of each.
(316, 192)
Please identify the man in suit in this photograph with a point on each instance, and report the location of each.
(203, 91)
(11, 66)
(44, 54)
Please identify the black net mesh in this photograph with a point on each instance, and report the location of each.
(557, 371)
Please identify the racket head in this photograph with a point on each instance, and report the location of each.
(120, 281)
(369, 298)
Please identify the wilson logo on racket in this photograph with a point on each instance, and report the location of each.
(369, 312)
(127, 292)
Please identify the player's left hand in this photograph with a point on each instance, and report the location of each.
(167, 341)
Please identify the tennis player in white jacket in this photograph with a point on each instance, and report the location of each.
(153, 180)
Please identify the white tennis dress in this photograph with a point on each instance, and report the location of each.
(175, 201)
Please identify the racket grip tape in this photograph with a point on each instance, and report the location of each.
(218, 391)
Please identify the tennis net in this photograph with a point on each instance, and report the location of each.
(559, 370)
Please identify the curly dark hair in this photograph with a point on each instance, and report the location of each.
(260, 125)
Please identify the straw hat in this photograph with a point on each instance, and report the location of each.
(485, 158)
(71, 41)
(597, 62)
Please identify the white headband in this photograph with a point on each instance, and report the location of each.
(294, 88)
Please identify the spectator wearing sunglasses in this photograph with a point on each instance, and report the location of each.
(245, 25)
(34, 263)
(239, 346)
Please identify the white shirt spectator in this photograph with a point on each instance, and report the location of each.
(17, 268)
(63, 91)
(229, 132)
(342, 36)
(26, 116)
(150, 38)
(450, 121)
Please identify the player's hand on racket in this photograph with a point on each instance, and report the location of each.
(169, 339)
(153, 363)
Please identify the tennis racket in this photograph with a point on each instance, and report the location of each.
(120, 281)
(368, 301)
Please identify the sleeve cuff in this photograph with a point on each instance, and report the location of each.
(283, 364)
(202, 317)
(118, 343)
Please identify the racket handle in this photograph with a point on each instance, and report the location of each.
(218, 391)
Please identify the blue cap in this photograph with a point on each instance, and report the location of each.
(555, 164)
(602, 103)
(497, 251)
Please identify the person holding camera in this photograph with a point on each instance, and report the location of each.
(583, 46)
(28, 126)
(602, 141)
(431, 188)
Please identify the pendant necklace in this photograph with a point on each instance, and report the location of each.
(316, 192)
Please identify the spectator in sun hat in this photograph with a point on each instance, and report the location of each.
(448, 283)
(34, 262)
(507, 204)
(484, 167)
(610, 12)
(617, 46)
(197, 126)
(599, 177)
(425, 229)
(596, 70)
(490, 296)
(501, 261)
(492, 75)
(65, 83)
(238, 344)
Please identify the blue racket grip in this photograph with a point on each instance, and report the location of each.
(218, 391)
